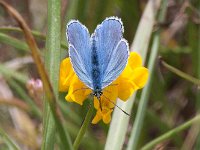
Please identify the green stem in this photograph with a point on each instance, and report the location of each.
(180, 73)
(171, 133)
(83, 128)
(135, 133)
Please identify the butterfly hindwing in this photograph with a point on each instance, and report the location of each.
(79, 50)
(117, 63)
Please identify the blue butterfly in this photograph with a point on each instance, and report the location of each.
(100, 58)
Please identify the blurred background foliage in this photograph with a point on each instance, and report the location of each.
(172, 101)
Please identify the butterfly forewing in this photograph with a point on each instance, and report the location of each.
(107, 36)
(79, 51)
(111, 49)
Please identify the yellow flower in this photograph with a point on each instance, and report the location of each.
(133, 77)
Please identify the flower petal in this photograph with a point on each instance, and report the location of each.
(97, 118)
(66, 73)
(107, 117)
(110, 94)
(126, 89)
(111, 91)
(140, 76)
(77, 91)
(125, 85)
(134, 60)
(132, 78)
(96, 103)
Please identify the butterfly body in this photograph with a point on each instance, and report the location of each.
(95, 69)
(100, 58)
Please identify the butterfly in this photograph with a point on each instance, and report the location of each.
(100, 58)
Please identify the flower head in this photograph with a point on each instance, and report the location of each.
(133, 77)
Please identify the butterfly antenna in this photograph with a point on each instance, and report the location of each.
(116, 105)
(80, 89)
(106, 91)
(113, 84)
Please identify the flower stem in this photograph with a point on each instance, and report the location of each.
(83, 128)
(171, 133)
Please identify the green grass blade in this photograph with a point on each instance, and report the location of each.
(181, 73)
(18, 30)
(36, 34)
(140, 44)
(52, 61)
(198, 76)
(12, 73)
(135, 133)
(171, 133)
(14, 42)
(8, 140)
